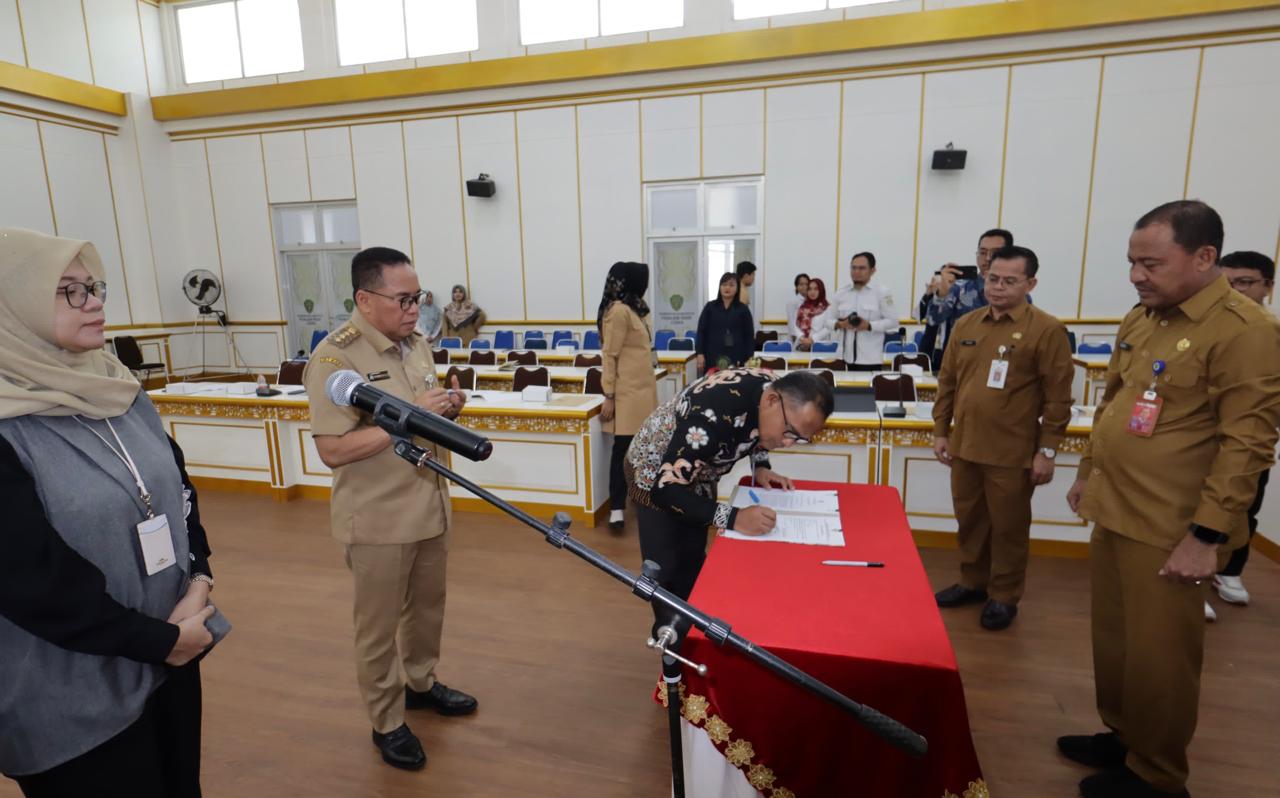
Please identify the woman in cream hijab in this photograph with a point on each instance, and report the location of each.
(104, 577)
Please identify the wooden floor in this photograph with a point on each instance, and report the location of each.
(555, 652)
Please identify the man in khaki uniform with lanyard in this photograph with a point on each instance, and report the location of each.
(393, 520)
(1006, 382)
(1186, 425)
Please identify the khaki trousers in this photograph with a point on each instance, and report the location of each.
(1148, 646)
(399, 592)
(993, 507)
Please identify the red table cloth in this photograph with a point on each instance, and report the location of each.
(873, 634)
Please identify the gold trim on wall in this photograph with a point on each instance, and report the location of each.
(41, 115)
(49, 86)
(870, 33)
(1195, 110)
(1093, 170)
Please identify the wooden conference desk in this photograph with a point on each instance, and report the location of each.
(553, 456)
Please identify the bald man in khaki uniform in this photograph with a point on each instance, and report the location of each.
(392, 519)
(1186, 425)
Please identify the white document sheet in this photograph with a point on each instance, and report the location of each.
(811, 530)
(793, 501)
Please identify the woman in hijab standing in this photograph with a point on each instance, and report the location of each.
(104, 566)
(462, 318)
(815, 304)
(630, 389)
(726, 334)
(430, 318)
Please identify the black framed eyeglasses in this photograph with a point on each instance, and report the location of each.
(78, 293)
(789, 432)
(405, 301)
(1243, 283)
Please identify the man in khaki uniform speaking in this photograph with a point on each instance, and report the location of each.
(1186, 425)
(393, 519)
(1006, 383)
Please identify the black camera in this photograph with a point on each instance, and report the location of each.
(854, 319)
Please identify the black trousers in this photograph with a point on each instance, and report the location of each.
(679, 548)
(1235, 565)
(617, 480)
(865, 366)
(158, 756)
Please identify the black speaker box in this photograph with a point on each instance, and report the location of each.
(949, 159)
(482, 186)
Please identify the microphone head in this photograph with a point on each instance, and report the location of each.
(340, 386)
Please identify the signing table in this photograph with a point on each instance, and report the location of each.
(873, 634)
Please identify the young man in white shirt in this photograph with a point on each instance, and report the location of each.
(860, 315)
(793, 304)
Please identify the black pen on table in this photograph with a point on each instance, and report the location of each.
(854, 563)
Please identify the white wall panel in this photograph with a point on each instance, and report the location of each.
(54, 31)
(802, 145)
(383, 204)
(10, 34)
(881, 132)
(153, 49)
(733, 133)
(286, 159)
(259, 350)
(81, 190)
(244, 231)
(966, 108)
(435, 204)
(196, 245)
(493, 223)
(135, 238)
(609, 159)
(24, 202)
(549, 203)
(114, 41)
(1233, 162)
(1046, 184)
(671, 138)
(1143, 132)
(329, 156)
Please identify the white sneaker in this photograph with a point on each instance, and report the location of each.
(1209, 614)
(616, 516)
(1231, 588)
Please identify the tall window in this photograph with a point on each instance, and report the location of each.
(239, 39)
(317, 242)
(752, 9)
(387, 30)
(697, 231)
(558, 20)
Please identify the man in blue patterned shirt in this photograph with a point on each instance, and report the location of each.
(954, 297)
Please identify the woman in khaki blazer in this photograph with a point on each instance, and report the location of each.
(462, 317)
(630, 389)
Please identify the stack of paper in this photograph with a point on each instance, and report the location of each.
(810, 517)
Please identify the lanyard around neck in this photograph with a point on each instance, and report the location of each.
(123, 456)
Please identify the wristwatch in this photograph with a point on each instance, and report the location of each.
(1210, 537)
(1048, 452)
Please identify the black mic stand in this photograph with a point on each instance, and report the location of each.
(647, 588)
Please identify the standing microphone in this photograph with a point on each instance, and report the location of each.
(347, 389)
(901, 410)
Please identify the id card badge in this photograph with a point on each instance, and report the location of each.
(157, 544)
(996, 377)
(1146, 412)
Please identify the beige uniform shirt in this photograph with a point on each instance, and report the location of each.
(381, 499)
(1216, 430)
(627, 372)
(1005, 426)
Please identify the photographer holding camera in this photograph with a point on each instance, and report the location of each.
(859, 316)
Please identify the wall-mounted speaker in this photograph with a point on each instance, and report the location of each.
(949, 158)
(482, 186)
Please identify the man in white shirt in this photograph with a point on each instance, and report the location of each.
(793, 304)
(859, 316)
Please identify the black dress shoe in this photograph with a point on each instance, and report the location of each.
(1123, 783)
(616, 527)
(1103, 751)
(956, 595)
(442, 699)
(997, 615)
(400, 748)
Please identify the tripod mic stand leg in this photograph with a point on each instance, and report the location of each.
(672, 680)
